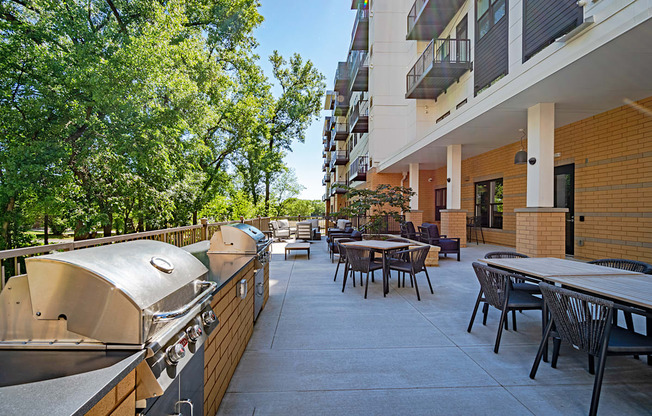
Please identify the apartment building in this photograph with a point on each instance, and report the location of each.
(534, 116)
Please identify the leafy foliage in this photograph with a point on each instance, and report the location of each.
(133, 115)
(377, 204)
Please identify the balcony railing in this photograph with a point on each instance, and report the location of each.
(327, 126)
(359, 118)
(358, 169)
(341, 106)
(359, 75)
(332, 164)
(332, 145)
(342, 77)
(360, 32)
(340, 130)
(326, 196)
(341, 157)
(442, 63)
(339, 187)
(326, 179)
(430, 17)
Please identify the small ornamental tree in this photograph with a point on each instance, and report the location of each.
(378, 205)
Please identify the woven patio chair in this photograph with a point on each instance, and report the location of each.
(632, 266)
(411, 261)
(360, 260)
(342, 257)
(496, 290)
(408, 231)
(623, 264)
(585, 322)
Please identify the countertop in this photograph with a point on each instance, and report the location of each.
(63, 390)
(73, 394)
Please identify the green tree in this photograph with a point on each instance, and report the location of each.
(377, 205)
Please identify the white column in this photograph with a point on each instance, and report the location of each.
(454, 177)
(541, 146)
(414, 184)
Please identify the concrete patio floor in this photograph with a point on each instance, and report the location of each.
(318, 351)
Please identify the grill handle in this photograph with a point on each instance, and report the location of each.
(201, 298)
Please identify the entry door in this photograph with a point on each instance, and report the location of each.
(440, 202)
(565, 198)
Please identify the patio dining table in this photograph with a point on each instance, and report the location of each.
(621, 286)
(384, 247)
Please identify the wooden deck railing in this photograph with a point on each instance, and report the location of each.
(13, 261)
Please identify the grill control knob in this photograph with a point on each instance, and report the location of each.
(175, 353)
(194, 332)
(208, 317)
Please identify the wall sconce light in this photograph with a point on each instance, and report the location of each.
(521, 156)
(532, 160)
(448, 180)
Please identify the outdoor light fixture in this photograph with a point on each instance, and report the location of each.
(521, 155)
(532, 160)
(448, 180)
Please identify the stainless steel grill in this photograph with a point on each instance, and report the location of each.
(245, 239)
(134, 295)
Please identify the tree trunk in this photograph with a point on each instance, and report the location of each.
(194, 217)
(46, 230)
(108, 227)
(267, 191)
(5, 225)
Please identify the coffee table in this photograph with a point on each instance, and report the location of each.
(297, 246)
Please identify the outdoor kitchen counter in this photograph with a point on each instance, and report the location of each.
(221, 267)
(73, 394)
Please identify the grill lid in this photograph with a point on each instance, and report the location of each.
(110, 293)
(238, 238)
(250, 230)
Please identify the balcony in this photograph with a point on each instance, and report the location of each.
(442, 64)
(326, 196)
(338, 188)
(341, 105)
(341, 157)
(360, 33)
(358, 169)
(359, 118)
(327, 143)
(332, 145)
(326, 179)
(342, 78)
(340, 129)
(326, 164)
(359, 75)
(331, 165)
(327, 126)
(428, 18)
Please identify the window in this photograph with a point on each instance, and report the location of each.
(489, 203)
(489, 13)
(440, 202)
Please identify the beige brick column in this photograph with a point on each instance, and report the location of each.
(541, 232)
(415, 216)
(453, 224)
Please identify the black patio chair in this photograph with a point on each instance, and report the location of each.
(411, 261)
(632, 266)
(360, 260)
(430, 235)
(496, 290)
(408, 231)
(623, 264)
(342, 255)
(332, 239)
(586, 322)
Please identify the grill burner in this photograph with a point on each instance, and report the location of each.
(128, 296)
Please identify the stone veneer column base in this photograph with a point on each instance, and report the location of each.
(453, 224)
(541, 232)
(415, 216)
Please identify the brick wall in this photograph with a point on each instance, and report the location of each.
(120, 401)
(225, 346)
(612, 153)
(541, 234)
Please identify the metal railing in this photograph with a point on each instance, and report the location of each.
(360, 109)
(415, 11)
(357, 60)
(359, 168)
(360, 17)
(455, 51)
(340, 128)
(342, 73)
(339, 187)
(341, 156)
(387, 224)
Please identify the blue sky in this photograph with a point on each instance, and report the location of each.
(319, 30)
